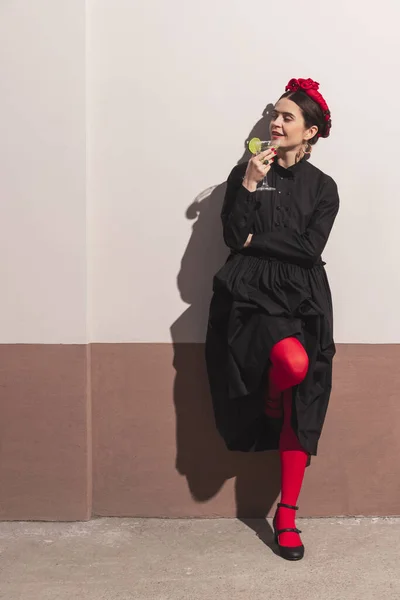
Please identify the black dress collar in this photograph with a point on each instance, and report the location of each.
(290, 172)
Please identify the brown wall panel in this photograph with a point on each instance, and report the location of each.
(156, 451)
(44, 446)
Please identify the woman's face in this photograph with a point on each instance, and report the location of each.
(288, 125)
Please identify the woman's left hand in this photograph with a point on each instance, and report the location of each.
(248, 241)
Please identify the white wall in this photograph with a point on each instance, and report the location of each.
(42, 172)
(174, 89)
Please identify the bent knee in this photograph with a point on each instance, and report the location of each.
(297, 367)
(292, 358)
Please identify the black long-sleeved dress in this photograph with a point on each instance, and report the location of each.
(275, 288)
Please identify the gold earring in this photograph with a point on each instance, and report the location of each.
(307, 148)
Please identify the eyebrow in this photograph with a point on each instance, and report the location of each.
(283, 113)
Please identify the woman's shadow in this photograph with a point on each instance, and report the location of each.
(201, 453)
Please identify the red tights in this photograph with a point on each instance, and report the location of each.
(289, 367)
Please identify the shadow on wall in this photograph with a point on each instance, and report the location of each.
(201, 453)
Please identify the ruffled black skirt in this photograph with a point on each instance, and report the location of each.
(258, 301)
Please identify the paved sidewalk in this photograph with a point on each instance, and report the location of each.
(221, 559)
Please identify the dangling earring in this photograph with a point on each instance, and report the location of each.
(307, 148)
(304, 150)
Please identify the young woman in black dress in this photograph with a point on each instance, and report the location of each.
(269, 346)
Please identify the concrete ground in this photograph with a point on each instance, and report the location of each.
(224, 559)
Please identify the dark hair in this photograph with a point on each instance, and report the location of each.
(311, 112)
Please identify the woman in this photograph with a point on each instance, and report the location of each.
(270, 346)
